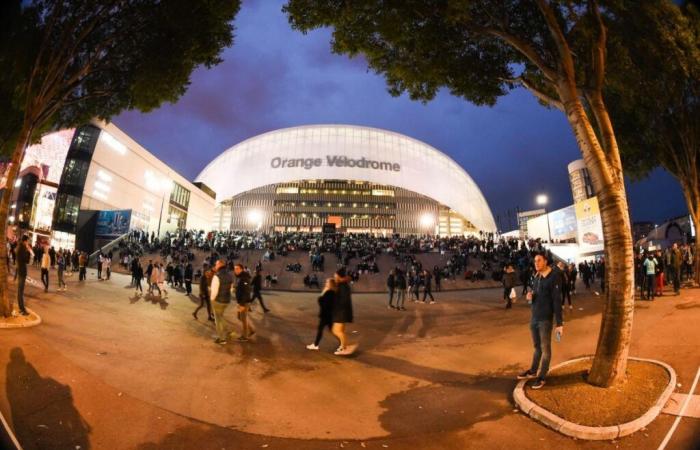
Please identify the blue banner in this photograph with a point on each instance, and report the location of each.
(112, 224)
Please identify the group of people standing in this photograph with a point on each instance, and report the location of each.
(409, 285)
(653, 269)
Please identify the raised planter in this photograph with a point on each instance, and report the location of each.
(33, 320)
(572, 429)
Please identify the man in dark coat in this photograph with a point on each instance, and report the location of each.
(243, 298)
(23, 259)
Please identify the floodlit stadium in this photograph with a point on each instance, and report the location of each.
(362, 180)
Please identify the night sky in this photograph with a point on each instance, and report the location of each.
(274, 77)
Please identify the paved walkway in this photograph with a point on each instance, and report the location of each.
(108, 370)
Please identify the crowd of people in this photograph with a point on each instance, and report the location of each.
(224, 274)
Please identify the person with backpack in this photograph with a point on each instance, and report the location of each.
(243, 298)
(650, 271)
(220, 296)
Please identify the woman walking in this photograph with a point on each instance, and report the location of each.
(342, 311)
(137, 275)
(325, 303)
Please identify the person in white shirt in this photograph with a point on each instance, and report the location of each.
(45, 264)
(107, 265)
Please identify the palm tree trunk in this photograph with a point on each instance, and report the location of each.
(610, 361)
(12, 173)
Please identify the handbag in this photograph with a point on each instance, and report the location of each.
(513, 295)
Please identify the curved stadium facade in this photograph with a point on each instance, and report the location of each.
(360, 179)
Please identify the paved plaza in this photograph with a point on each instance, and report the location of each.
(108, 370)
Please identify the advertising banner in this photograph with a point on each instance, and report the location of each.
(563, 223)
(590, 227)
(112, 224)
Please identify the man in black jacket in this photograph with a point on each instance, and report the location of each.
(23, 259)
(243, 283)
(546, 307)
(390, 284)
(257, 288)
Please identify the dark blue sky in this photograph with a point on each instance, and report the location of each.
(274, 77)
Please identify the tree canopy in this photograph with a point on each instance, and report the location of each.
(68, 61)
(65, 62)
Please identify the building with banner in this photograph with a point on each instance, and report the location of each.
(362, 180)
(94, 183)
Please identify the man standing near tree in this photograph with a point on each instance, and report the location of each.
(546, 308)
(23, 258)
(675, 268)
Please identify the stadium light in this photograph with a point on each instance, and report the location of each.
(255, 217)
(542, 199)
(427, 220)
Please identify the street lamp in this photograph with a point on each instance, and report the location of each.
(542, 200)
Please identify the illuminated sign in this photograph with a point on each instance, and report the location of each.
(334, 161)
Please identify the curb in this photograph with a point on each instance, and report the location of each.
(27, 324)
(575, 430)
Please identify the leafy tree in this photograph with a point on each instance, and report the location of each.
(65, 62)
(661, 127)
(481, 49)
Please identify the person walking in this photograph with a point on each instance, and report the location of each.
(243, 298)
(161, 280)
(565, 285)
(400, 290)
(204, 287)
(428, 287)
(153, 279)
(257, 290)
(100, 260)
(45, 264)
(23, 259)
(546, 308)
(325, 315)
(137, 275)
(342, 310)
(60, 269)
(509, 285)
(189, 273)
(220, 297)
(390, 285)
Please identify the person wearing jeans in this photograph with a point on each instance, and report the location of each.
(220, 296)
(546, 309)
(45, 264)
(650, 270)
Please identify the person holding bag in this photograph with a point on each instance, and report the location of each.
(509, 293)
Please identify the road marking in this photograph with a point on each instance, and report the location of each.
(681, 412)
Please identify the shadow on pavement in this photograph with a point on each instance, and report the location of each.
(42, 409)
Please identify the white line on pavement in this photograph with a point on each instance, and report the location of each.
(681, 412)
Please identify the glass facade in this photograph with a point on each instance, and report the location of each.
(354, 206)
(180, 196)
(72, 184)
